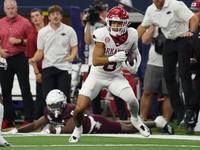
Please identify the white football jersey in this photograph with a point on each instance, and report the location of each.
(111, 48)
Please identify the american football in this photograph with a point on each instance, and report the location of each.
(130, 58)
(193, 64)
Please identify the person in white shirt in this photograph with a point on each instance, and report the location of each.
(174, 18)
(54, 42)
(154, 81)
(113, 42)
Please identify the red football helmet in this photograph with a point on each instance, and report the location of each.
(117, 13)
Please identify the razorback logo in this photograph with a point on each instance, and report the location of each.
(94, 37)
(116, 11)
(169, 12)
(194, 4)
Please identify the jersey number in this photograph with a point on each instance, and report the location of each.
(110, 67)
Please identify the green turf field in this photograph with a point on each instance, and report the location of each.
(21, 142)
(157, 141)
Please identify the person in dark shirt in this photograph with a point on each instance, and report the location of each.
(60, 116)
(192, 113)
(37, 18)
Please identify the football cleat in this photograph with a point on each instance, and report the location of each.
(144, 130)
(169, 129)
(162, 123)
(4, 143)
(76, 135)
(189, 129)
(74, 139)
(190, 117)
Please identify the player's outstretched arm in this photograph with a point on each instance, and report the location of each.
(68, 128)
(33, 126)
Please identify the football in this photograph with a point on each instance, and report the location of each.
(193, 64)
(130, 58)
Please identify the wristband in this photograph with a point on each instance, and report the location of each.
(37, 73)
(111, 58)
(58, 130)
(22, 41)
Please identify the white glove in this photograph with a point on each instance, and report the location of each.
(47, 126)
(120, 56)
(3, 63)
(13, 131)
(133, 69)
(46, 131)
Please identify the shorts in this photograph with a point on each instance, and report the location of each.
(154, 80)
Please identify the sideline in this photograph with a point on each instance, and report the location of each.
(178, 137)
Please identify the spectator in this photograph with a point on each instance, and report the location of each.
(154, 81)
(3, 142)
(54, 42)
(192, 114)
(37, 18)
(58, 119)
(139, 76)
(173, 18)
(101, 7)
(14, 31)
(112, 44)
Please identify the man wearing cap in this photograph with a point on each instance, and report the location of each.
(101, 7)
(192, 114)
(173, 17)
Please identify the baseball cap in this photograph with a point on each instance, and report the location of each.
(102, 2)
(195, 5)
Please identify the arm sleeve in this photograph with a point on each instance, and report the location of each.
(73, 38)
(31, 47)
(183, 11)
(147, 21)
(40, 41)
(29, 28)
(97, 35)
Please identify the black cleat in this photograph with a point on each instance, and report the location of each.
(169, 129)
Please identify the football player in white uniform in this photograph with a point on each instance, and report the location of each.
(3, 142)
(113, 42)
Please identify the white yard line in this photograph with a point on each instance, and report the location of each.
(108, 145)
(178, 137)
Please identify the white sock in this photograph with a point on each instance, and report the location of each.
(160, 122)
(78, 131)
(1, 116)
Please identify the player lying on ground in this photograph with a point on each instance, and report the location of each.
(60, 115)
(3, 142)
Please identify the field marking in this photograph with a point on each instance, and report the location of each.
(178, 137)
(108, 145)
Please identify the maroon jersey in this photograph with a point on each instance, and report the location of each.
(92, 123)
(61, 119)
